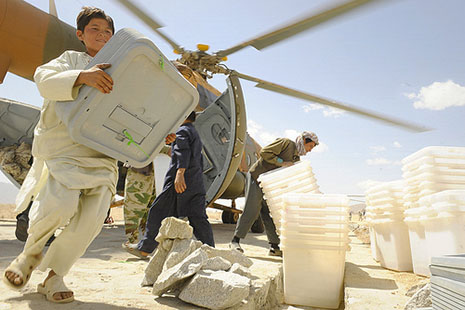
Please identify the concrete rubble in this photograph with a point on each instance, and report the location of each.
(15, 160)
(217, 264)
(205, 276)
(421, 299)
(232, 288)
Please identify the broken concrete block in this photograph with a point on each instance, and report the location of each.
(180, 249)
(188, 267)
(173, 228)
(420, 299)
(216, 264)
(240, 270)
(259, 290)
(155, 266)
(216, 289)
(232, 256)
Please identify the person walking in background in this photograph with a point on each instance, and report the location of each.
(183, 194)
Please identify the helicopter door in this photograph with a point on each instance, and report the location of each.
(17, 123)
(222, 128)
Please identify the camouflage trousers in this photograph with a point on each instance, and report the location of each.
(139, 192)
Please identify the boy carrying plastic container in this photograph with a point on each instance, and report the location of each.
(79, 182)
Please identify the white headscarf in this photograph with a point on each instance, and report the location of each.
(300, 141)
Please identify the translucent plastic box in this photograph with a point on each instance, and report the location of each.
(313, 275)
(150, 99)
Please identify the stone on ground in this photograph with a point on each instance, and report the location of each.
(421, 299)
(216, 264)
(231, 255)
(155, 266)
(216, 289)
(240, 270)
(180, 250)
(173, 228)
(173, 277)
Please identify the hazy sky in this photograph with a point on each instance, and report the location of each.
(403, 58)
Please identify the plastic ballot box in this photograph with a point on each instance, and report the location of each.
(150, 99)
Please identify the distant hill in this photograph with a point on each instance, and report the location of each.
(357, 207)
(8, 193)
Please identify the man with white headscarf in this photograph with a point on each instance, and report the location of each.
(282, 152)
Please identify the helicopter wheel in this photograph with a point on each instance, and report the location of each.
(226, 217)
(229, 217)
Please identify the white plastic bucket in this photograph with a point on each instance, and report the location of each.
(313, 276)
(373, 245)
(418, 247)
(445, 234)
(392, 238)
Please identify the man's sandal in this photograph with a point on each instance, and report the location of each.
(22, 266)
(132, 249)
(52, 286)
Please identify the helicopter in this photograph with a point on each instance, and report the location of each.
(229, 151)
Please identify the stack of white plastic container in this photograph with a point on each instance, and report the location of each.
(298, 178)
(427, 173)
(314, 240)
(388, 232)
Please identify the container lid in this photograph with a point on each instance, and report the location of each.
(454, 286)
(285, 172)
(302, 178)
(438, 170)
(452, 261)
(150, 99)
(390, 186)
(451, 196)
(311, 200)
(287, 238)
(312, 222)
(308, 246)
(300, 187)
(444, 297)
(455, 163)
(436, 151)
(315, 229)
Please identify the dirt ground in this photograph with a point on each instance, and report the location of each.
(108, 278)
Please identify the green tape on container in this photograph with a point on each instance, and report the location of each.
(161, 63)
(131, 141)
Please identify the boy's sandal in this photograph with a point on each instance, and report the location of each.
(52, 286)
(22, 266)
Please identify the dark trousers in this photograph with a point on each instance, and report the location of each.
(165, 206)
(255, 205)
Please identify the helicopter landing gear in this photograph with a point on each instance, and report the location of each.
(229, 217)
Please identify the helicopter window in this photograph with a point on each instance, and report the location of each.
(220, 134)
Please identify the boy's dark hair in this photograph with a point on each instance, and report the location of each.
(89, 12)
(308, 140)
(191, 117)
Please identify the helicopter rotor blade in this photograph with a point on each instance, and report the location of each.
(328, 102)
(152, 23)
(290, 30)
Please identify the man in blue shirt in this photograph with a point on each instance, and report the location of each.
(183, 192)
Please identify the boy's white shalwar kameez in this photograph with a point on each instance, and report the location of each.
(69, 182)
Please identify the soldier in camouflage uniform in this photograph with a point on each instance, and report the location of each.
(139, 193)
(139, 190)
